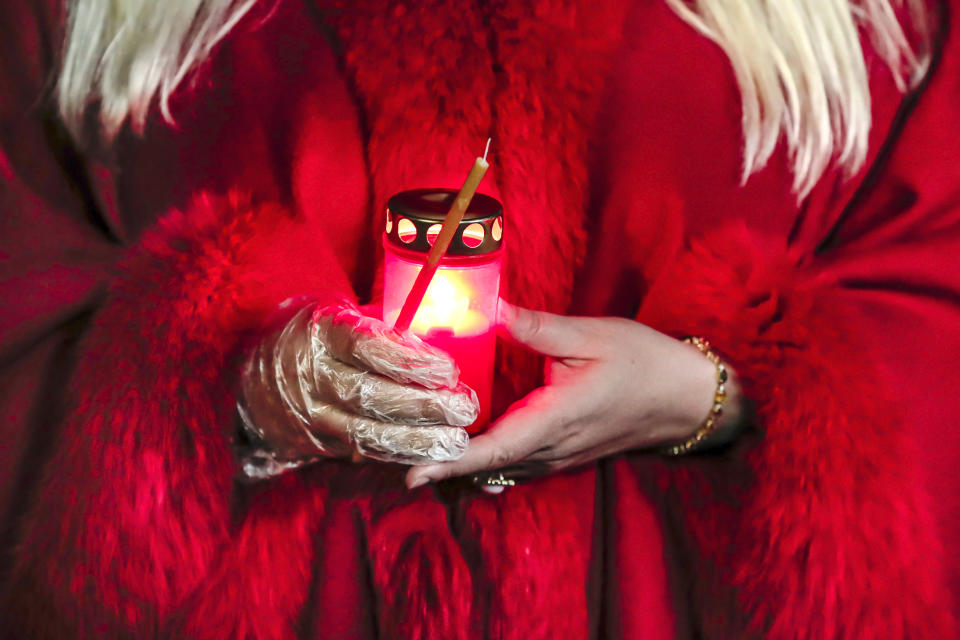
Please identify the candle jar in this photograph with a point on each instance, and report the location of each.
(459, 309)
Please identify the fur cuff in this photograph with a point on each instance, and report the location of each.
(136, 504)
(822, 529)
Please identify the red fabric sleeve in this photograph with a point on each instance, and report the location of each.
(137, 514)
(822, 528)
(822, 525)
(136, 509)
(52, 257)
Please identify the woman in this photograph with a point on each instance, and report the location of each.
(792, 213)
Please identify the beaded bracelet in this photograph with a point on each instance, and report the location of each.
(712, 420)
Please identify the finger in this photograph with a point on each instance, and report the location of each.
(408, 445)
(380, 398)
(546, 333)
(371, 344)
(521, 431)
(332, 430)
(329, 431)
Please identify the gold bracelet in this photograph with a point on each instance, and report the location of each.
(712, 421)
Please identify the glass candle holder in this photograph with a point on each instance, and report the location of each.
(459, 309)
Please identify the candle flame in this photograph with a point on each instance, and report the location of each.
(446, 305)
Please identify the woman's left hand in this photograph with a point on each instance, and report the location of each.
(612, 384)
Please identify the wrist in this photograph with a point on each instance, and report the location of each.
(695, 390)
(712, 407)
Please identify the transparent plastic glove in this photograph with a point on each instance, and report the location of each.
(333, 382)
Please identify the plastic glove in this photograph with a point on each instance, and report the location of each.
(333, 382)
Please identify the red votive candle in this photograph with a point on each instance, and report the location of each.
(459, 309)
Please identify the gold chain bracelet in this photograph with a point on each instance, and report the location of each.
(712, 421)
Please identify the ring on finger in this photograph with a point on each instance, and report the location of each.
(493, 482)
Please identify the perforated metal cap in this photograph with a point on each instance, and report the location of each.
(414, 219)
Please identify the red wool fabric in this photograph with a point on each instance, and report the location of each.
(134, 277)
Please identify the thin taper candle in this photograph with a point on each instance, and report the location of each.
(447, 231)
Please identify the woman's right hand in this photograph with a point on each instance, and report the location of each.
(333, 382)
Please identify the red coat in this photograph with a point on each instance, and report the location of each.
(131, 288)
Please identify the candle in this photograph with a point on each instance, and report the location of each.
(441, 241)
(457, 311)
(475, 356)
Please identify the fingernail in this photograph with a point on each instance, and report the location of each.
(419, 482)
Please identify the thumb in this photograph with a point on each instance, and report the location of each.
(546, 333)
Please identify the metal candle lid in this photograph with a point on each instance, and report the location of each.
(414, 219)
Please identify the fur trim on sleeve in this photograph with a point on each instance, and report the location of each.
(135, 508)
(821, 528)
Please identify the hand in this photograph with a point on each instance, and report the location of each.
(333, 382)
(612, 384)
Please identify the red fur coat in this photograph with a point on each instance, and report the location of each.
(133, 278)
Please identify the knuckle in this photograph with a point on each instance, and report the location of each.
(534, 327)
(556, 465)
(446, 444)
(568, 447)
(499, 457)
